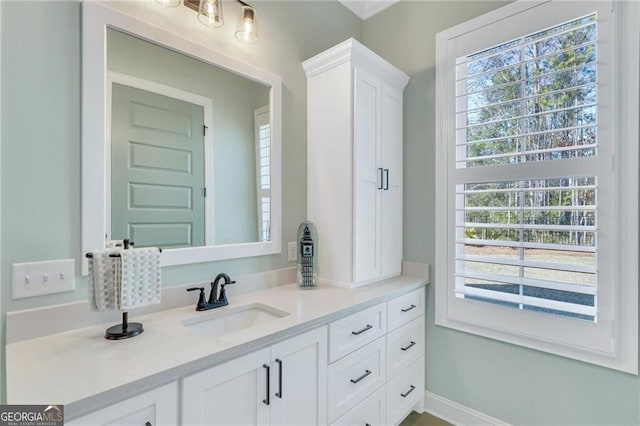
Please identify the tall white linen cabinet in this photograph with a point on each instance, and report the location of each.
(354, 163)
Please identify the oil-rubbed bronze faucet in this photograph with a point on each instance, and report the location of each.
(214, 301)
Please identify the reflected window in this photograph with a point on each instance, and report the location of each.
(263, 172)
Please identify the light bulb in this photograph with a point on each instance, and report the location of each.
(168, 3)
(247, 28)
(210, 13)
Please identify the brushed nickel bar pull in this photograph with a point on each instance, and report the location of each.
(409, 308)
(266, 401)
(368, 327)
(279, 393)
(366, 373)
(411, 389)
(409, 346)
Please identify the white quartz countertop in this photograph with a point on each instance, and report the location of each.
(84, 371)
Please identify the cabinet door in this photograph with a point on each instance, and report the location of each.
(368, 176)
(232, 393)
(391, 210)
(156, 407)
(299, 380)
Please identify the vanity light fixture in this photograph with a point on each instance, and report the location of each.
(169, 3)
(210, 14)
(247, 28)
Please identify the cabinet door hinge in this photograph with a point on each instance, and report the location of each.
(204, 192)
(204, 130)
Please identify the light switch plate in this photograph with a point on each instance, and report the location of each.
(37, 278)
(292, 252)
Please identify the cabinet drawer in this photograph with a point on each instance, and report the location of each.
(403, 309)
(353, 378)
(404, 392)
(404, 346)
(371, 411)
(157, 407)
(352, 332)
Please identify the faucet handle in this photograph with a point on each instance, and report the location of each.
(222, 286)
(223, 292)
(202, 304)
(227, 283)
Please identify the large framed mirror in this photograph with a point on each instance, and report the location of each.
(181, 145)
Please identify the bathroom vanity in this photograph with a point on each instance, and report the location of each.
(278, 356)
(334, 355)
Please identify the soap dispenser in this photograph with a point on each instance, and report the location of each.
(307, 256)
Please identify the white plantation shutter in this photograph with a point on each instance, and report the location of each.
(534, 180)
(512, 100)
(529, 243)
(263, 172)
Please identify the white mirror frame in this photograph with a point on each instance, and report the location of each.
(96, 18)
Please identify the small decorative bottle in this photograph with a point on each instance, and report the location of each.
(307, 255)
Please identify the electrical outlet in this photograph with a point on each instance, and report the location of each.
(292, 251)
(36, 278)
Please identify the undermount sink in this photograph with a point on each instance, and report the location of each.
(231, 319)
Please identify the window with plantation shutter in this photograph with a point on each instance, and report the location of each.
(529, 243)
(530, 192)
(263, 172)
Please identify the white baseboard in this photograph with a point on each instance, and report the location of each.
(456, 413)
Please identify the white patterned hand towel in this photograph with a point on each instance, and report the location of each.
(103, 280)
(140, 277)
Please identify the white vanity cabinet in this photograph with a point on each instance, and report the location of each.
(157, 407)
(405, 355)
(284, 384)
(357, 353)
(380, 380)
(339, 357)
(354, 163)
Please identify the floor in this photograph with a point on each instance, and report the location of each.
(424, 419)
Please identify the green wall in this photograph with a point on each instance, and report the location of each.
(511, 383)
(41, 121)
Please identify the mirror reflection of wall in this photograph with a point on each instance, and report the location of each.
(152, 198)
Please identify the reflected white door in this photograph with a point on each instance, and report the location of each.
(157, 169)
